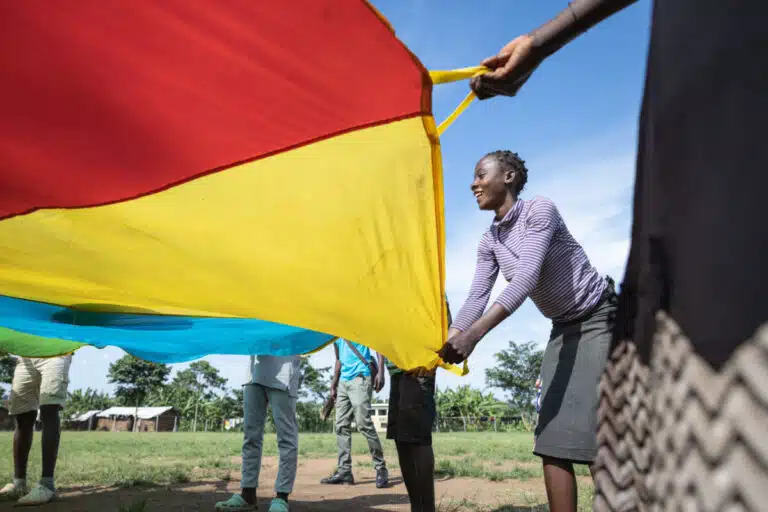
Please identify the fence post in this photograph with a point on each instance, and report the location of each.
(464, 420)
(495, 428)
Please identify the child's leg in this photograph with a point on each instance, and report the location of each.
(255, 415)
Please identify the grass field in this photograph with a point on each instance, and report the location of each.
(126, 460)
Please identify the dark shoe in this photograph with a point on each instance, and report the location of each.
(339, 478)
(382, 478)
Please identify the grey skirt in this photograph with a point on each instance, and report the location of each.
(570, 372)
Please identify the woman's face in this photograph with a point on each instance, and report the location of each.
(490, 184)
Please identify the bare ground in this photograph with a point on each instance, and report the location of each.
(453, 495)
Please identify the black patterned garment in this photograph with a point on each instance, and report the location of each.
(683, 417)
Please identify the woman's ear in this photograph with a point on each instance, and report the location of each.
(509, 178)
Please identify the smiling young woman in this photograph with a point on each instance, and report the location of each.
(530, 244)
(683, 408)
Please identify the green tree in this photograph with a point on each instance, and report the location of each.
(136, 378)
(220, 408)
(515, 372)
(171, 395)
(80, 401)
(467, 401)
(239, 397)
(7, 366)
(308, 418)
(205, 383)
(313, 382)
(202, 377)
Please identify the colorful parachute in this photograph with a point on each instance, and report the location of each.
(180, 179)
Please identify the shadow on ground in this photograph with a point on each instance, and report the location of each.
(188, 498)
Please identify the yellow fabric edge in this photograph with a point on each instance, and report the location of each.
(318, 349)
(437, 169)
(443, 77)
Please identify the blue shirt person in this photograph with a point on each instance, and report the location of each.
(355, 377)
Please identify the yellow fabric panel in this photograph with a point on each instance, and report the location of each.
(353, 252)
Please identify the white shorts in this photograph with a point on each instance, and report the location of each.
(39, 381)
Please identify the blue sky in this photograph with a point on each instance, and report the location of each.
(575, 124)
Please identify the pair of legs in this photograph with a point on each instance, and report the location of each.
(22, 441)
(38, 384)
(256, 398)
(354, 400)
(411, 416)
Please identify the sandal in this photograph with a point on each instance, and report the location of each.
(278, 505)
(39, 495)
(235, 504)
(13, 492)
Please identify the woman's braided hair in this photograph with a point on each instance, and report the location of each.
(510, 161)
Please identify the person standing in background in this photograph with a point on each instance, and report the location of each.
(38, 383)
(273, 381)
(355, 377)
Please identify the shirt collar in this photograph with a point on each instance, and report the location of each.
(511, 215)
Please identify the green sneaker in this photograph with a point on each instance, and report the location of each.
(39, 495)
(278, 505)
(235, 504)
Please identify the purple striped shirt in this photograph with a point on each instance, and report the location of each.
(539, 258)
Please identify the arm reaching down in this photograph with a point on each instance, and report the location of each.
(336, 372)
(380, 379)
(516, 61)
(541, 224)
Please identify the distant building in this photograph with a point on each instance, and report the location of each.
(379, 416)
(85, 421)
(150, 419)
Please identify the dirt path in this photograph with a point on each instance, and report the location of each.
(455, 495)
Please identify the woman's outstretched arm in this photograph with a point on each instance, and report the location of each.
(520, 57)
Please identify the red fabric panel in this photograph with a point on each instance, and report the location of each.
(105, 100)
